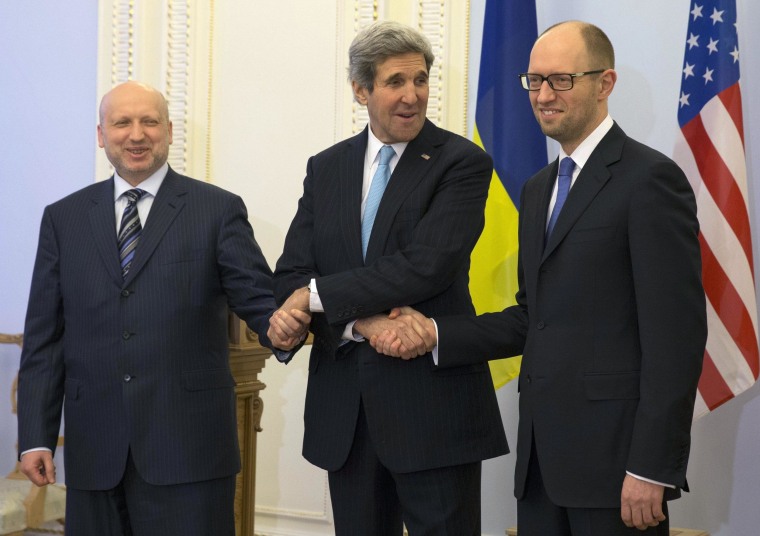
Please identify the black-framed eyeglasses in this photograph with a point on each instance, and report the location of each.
(558, 82)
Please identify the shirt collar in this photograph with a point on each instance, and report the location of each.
(582, 153)
(150, 185)
(374, 145)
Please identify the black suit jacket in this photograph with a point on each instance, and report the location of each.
(428, 222)
(141, 363)
(611, 314)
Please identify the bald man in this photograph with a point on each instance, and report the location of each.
(126, 334)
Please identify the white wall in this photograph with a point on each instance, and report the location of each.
(48, 102)
(47, 135)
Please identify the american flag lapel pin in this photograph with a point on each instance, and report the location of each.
(425, 156)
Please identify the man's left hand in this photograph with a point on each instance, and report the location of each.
(289, 325)
(641, 503)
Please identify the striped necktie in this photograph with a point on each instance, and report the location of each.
(129, 232)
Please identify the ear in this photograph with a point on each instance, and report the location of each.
(170, 133)
(360, 93)
(100, 137)
(607, 83)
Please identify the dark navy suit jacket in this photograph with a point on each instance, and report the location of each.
(611, 315)
(142, 363)
(428, 221)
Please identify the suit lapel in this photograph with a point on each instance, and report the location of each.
(351, 177)
(535, 204)
(591, 180)
(168, 204)
(418, 158)
(103, 224)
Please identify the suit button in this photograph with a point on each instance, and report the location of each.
(126, 335)
(127, 378)
(540, 324)
(528, 379)
(354, 310)
(125, 293)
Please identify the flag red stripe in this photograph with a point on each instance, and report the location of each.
(719, 182)
(731, 98)
(712, 386)
(729, 306)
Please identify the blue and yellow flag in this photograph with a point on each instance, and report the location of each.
(506, 129)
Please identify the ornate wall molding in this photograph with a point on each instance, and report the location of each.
(177, 78)
(431, 22)
(122, 29)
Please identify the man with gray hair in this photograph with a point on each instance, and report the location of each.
(401, 441)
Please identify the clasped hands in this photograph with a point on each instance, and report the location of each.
(404, 333)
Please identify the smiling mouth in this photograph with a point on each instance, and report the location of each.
(137, 151)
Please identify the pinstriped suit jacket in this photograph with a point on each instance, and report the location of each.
(141, 363)
(426, 226)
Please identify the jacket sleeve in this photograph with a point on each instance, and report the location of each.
(41, 373)
(670, 301)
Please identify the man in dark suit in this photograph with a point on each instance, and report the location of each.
(128, 332)
(400, 440)
(610, 313)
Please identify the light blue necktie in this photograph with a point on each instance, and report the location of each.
(376, 189)
(130, 229)
(566, 167)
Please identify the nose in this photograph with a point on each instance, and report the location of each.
(409, 94)
(545, 93)
(136, 133)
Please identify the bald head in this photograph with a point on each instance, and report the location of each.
(134, 90)
(598, 46)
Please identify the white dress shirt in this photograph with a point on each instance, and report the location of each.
(371, 162)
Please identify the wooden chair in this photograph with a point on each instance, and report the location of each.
(22, 504)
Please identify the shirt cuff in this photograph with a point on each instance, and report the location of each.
(671, 486)
(349, 335)
(435, 349)
(315, 304)
(35, 450)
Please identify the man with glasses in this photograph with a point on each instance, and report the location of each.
(610, 314)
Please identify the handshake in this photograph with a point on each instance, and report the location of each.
(404, 333)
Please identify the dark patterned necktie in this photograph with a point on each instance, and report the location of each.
(130, 229)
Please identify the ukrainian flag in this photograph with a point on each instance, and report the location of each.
(506, 128)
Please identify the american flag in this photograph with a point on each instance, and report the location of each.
(710, 150)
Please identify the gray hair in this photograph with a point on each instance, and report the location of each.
(380, 41)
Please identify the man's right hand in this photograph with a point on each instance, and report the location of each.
(404, 333)
(38, 467)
